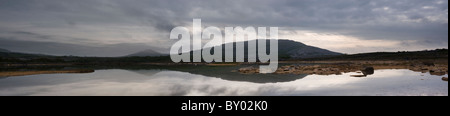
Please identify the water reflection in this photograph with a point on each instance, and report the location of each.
(226, 73)
(184, 83)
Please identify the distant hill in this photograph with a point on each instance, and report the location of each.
(4, 50)
(8, 54)
(295, 49)
(68, 49)
(288, 49)
(147, 52)
(401, 55)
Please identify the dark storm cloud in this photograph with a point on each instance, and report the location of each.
(424, 21)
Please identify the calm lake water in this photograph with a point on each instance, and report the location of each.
(194, 82)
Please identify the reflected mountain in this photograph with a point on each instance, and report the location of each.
(146, 72)
(225, 73)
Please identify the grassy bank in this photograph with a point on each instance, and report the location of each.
(24, 73)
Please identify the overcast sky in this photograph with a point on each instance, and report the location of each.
(347, 26)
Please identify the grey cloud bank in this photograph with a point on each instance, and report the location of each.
(408, 24)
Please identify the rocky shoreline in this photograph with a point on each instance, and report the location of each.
(366, 68)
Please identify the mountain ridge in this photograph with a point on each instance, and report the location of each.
(70, 49)
(300, 50)
(287, 49)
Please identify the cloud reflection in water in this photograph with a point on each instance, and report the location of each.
(175, 83)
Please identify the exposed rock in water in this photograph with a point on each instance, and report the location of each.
(368, 71)
(249, 70)
(437, 72)
(433, 69)
(445, 78)
(286, 70)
